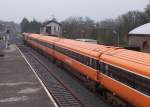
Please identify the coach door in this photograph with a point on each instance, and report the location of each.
(98, 69)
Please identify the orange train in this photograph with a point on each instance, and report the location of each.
(123, 73)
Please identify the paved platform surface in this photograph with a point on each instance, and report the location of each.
(19, 87)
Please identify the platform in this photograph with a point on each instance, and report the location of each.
(19, 87)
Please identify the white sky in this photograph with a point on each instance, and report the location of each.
(15, 10)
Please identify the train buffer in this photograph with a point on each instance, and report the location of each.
(19, 86)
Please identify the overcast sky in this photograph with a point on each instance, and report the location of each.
(15, 10)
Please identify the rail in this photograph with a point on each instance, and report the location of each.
(63, 96)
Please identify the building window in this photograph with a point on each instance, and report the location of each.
(54, 28)
(145, 45)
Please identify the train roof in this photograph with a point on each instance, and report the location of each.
(88, 49)
(41, 37)
(136, 62)
(92, 50)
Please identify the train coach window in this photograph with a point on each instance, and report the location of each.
(98, 65)
(45, 44)
(57, 48)
(130, 79)
(86, 61)
(94, 63)
(102, 67)
(107, 70)
(123, 76)
(142, 84)
(90, 61)
(81, 58)
(50, 46)
(78, 57)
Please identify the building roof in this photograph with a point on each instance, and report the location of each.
(50, 21)
(141, 30)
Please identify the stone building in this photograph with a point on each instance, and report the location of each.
(51, 28)
(140, 37)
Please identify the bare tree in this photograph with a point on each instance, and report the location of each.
(78, 27)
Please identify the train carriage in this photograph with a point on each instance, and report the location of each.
(129, 74)
(125, 73)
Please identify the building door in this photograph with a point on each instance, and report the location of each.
(145, 46)
(48, 30)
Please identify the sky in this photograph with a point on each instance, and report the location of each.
(15, 10)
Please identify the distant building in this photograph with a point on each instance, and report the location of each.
(51, 28)
(2, 30)
(88, 40)
(140, 37)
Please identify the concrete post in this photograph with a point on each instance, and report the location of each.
(6, 39)
(1, 47)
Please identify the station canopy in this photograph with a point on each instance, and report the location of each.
(141, 30)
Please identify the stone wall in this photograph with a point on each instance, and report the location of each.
(141, 41)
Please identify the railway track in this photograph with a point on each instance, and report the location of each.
(63, 96)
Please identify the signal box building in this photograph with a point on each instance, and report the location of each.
(140, 37)
(51, 28)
